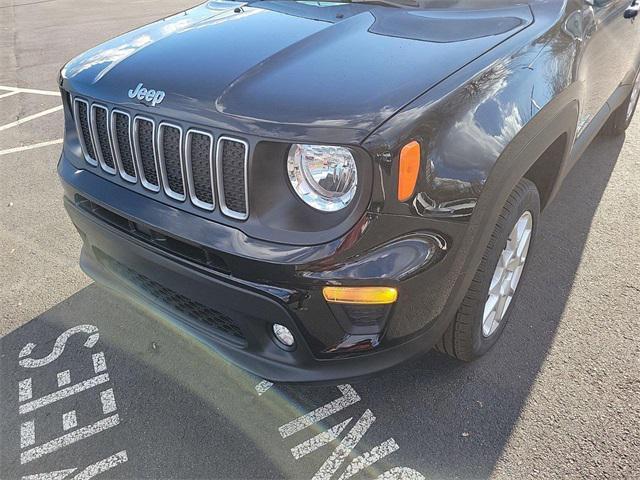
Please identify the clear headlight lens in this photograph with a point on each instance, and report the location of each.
(324, 177)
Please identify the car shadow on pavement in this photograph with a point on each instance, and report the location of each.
(186, 412)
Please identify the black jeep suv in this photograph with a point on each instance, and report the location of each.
(321, 190)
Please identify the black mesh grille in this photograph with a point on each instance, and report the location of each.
(200, 155)
(233, 181)
(102, 129)
(171, 155)
(147, 156)
(124, 143)
(85, 130)
(194, 311)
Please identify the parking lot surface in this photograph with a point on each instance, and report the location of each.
(91, 385)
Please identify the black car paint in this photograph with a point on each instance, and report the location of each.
(484, 105)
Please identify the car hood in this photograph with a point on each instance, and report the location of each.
(298, 63)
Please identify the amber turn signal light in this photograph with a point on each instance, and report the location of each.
(408, 170)
(360, 295)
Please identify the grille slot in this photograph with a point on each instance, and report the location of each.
(231, 163)
(100, 130)
(144, 139)
(194, 313)
(199, 168)
(81, 115)
(170, 155)
(122, 148)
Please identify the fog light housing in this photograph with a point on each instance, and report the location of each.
(283, 335)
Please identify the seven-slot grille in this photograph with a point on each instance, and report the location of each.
(165, 157)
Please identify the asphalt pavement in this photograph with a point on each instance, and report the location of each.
(93, 386)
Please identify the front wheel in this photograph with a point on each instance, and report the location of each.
(489, 301)
(620, 120)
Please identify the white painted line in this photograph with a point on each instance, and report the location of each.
(58, 347)
(30, 147)
(349, 397)
(55, 475)
(69, 420)
(401, 473)
(108, 401)
(263, 386)
(30, 117)
(26, 350)
(30, 90)
(27, 434)
(69, 438)
(342, 451)
(5, 95)
(99, 363)
(64, 378)
(102, 466)
(64, 393)
(319, 440)
(367, 459)
(25, 391)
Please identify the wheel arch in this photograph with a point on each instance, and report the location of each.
(551, 132)
(545, 170)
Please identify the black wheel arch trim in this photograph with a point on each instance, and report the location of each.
(556, 119)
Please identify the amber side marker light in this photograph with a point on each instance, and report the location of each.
(409, 168)
(360, 295)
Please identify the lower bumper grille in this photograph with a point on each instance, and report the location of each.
(197, 314)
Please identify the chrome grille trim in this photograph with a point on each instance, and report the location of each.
(138, 157)
(163, 167)
(96, 138)
(189, 170)
(76, 118)
(219, 175)
(116, 146)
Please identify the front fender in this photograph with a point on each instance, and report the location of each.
(467, 123)
(478, 140)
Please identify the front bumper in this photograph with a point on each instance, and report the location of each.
(232, 307)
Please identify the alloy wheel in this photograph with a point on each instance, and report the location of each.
(633, 100)
(507, 274)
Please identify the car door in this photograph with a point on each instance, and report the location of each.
(610, 51)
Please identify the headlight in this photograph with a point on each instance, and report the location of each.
(324, 177)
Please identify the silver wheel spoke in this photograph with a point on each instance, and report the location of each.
(507, 274)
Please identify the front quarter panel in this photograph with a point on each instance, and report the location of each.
(466, 122)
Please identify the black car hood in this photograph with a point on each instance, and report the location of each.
(341, 65)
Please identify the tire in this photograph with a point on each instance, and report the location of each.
(464, 339)
(620, 120)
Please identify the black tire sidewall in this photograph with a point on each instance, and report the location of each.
(619, 121)
(528, 201)
(627, 120)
